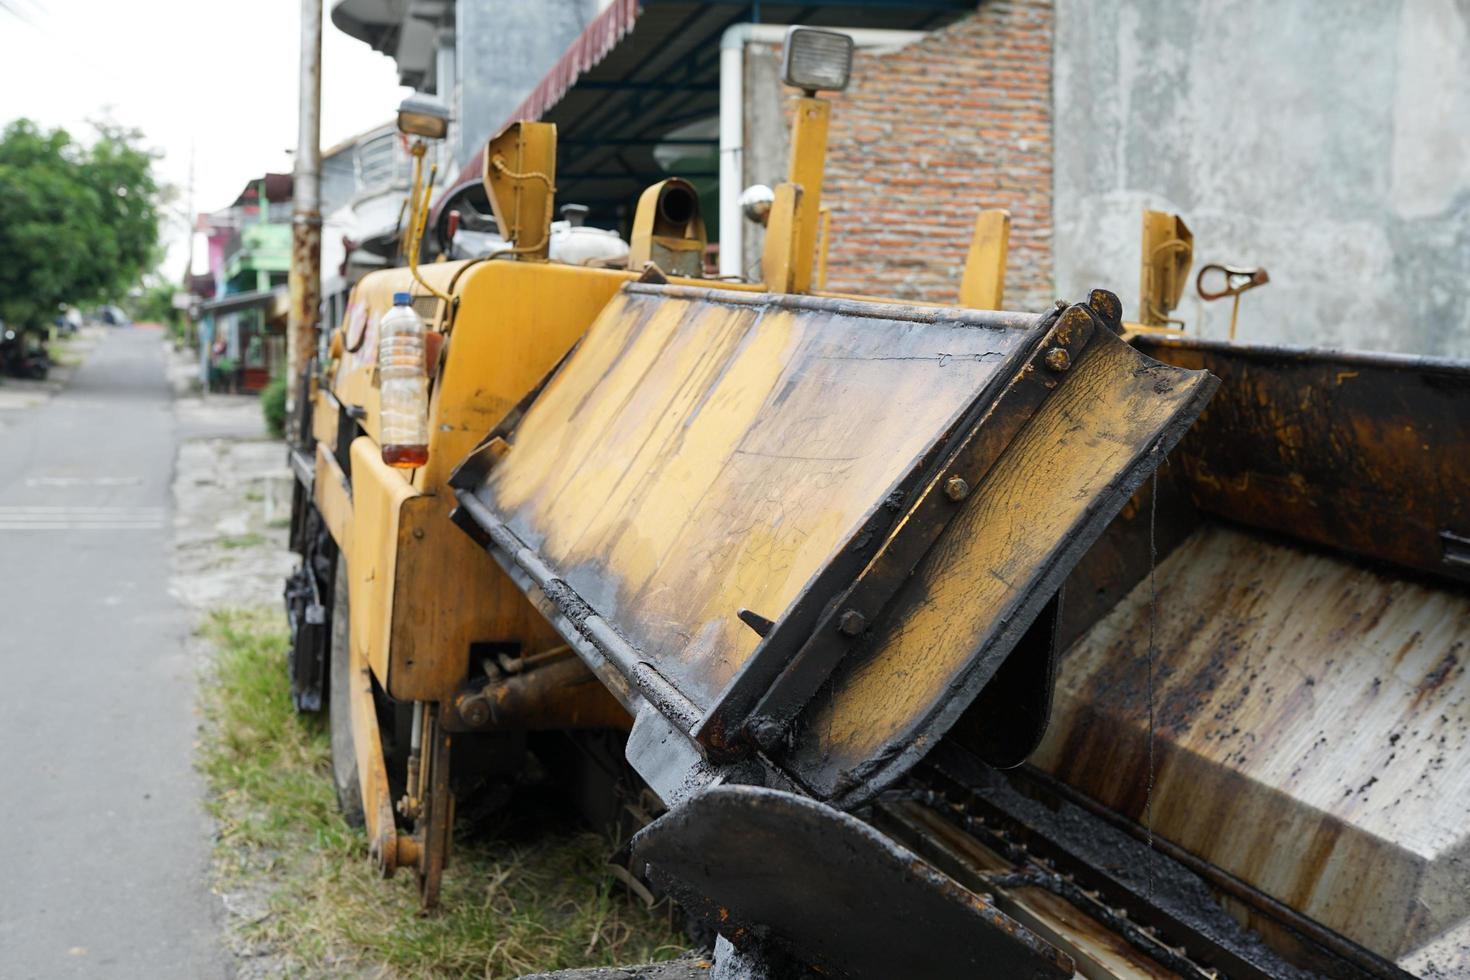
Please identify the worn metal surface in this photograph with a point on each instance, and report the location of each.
(1143, 892)
(1365, 453)
(1010, 838)
(562, 695)
(668, 230)
(704, 452)
(304, 279)
(1308, 714)
(1003, 557)
(520, 179)
(830, 617)
(809, 122)
(1165, 257)
(706, 455)
(765, 866)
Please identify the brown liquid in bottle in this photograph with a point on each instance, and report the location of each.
(406, 457)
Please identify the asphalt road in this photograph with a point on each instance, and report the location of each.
(106, 846)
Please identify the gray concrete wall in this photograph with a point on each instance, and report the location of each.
(767, 137)
(504, 48)
(1328, 141)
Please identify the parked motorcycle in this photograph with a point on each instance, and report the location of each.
(23, 354)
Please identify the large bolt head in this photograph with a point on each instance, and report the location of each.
(956, 488)
(474, 712)
(1057, 359)
(851, 623)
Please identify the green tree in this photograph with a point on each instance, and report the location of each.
(78, 224)
(153, 303)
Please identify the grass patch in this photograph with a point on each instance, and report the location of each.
(515, 900)
(249, 539)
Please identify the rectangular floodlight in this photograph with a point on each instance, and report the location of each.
(815, 60)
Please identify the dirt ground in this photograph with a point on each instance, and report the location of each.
(232, 505)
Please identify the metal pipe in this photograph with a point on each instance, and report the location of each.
(732, 120)
(305, 279)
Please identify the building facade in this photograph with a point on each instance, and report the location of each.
(478, 57)
(241, 330)
(1326, 142)
(1331, 148)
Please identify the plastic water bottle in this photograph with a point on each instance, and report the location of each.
(403, 386)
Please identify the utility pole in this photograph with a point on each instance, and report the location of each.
(306, 214)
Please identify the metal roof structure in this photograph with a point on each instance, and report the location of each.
(642, 71)
(232, 302)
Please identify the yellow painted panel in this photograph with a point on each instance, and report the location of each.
(354, 382)
(332, 498)
(1042, 491)
(378, 493)
(809, 119)
(448, 593)
(696, 457)
(982, 287)
(324, 418)
(515, 321)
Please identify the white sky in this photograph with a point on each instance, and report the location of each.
(222, 75)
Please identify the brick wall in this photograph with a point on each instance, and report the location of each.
(928, 136)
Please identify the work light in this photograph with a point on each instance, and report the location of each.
(419, 115)
(815, 60)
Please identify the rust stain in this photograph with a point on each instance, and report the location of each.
(1306, 712)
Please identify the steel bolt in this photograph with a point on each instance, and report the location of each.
(851, 623)
(474, 711)
(767, 732)
(956, 488)
(1057, 359)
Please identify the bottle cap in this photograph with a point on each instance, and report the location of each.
(401, 299)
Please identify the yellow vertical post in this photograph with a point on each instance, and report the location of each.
(982, 287)
(808, 162)
(823, 243)
(779, 258)
(1166, 255)
(520, 179)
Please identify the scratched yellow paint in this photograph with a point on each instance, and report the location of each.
(1038, 493)
(694, 458)
(514, 322)
(378, 491)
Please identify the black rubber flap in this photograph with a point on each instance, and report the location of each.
(763, 865)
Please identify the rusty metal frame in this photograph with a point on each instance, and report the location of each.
(601, 646)
(1003, 812)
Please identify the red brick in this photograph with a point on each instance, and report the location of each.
(926, 138)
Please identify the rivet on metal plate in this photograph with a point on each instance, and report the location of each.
(1057, 359)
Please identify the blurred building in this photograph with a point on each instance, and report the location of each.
(364, 181)
(241, 329)
(478, 57)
